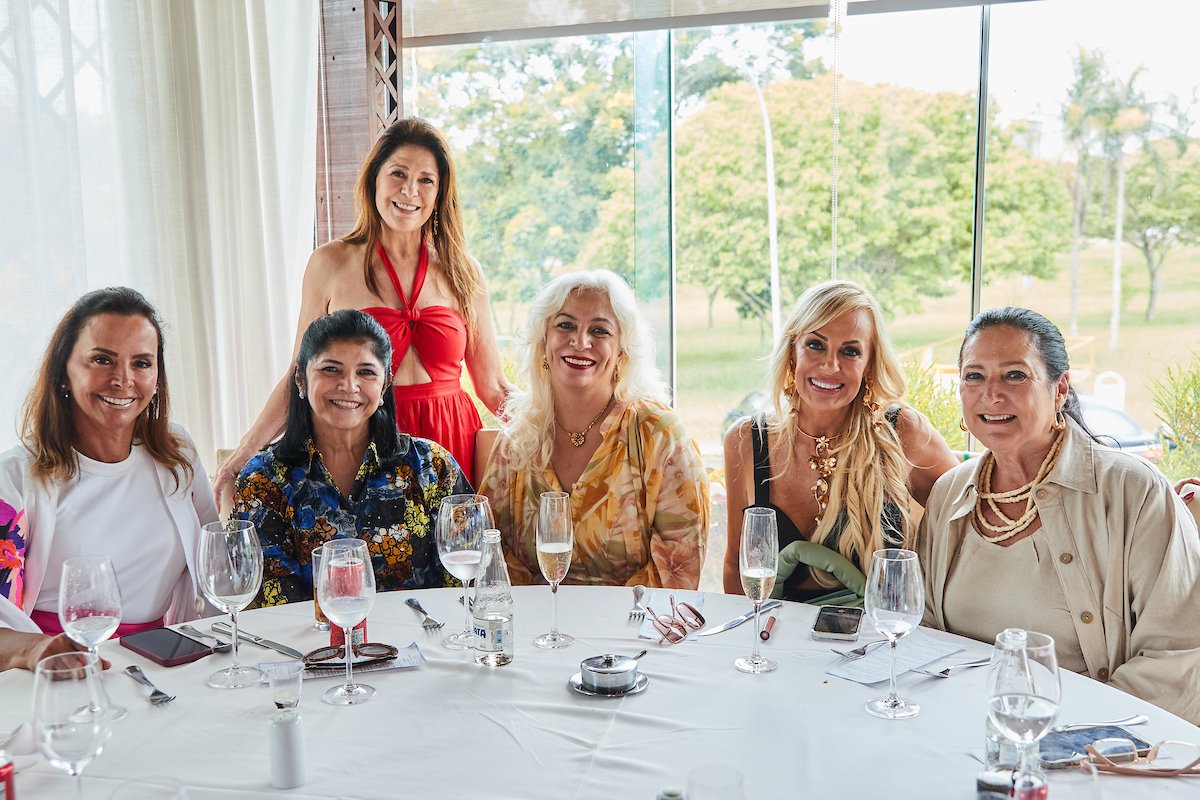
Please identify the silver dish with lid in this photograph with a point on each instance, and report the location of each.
(608, 675)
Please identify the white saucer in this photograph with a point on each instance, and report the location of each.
(639, 685)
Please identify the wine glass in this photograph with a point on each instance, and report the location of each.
(346, 587)
(229, 566)
(461, 521)
(895, 603)
(1023, 697)
(758, 559)
(89, 605)
(71, 718)
(555, 540)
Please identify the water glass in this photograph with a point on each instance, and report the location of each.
(229, 567)
(286, 679)
(71, 716)
(895, 603)
(758, 559)
(320, 621)
(461, 521)
(89, 605)
(346, 587)
(1023, 697)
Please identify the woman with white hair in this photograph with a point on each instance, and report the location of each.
(595, 423)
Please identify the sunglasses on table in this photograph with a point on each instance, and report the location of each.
(374, 651)
(1167, 759)
(674, 627)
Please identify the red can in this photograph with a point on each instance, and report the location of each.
(337, 637)
(7, 792)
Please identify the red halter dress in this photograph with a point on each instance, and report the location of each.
(439, 410)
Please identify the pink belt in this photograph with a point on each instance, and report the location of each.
(49, 624)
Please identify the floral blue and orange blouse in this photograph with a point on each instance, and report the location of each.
(297, 507)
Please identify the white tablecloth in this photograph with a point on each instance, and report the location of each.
(455, 729)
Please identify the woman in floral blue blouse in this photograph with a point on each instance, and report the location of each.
(341, 470)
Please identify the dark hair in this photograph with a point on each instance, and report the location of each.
(1048, 340)
(47, 419)
(346, 325)
(444, 228)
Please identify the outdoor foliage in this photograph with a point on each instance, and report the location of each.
(936, 401)
(1177, 402)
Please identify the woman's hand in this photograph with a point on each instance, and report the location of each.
(25, 650)
(227, 472)
(1188, 489)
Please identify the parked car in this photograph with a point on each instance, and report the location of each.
(1114, 427)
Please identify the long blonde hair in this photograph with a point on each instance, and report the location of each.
(444, 230)
(530, 429)
(872, 467)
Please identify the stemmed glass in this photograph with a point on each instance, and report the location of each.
(1023, 697)
(758, 559)
(71, 718)
(89, 605)
(895, 603)
(229, 563)
(346, 588)
(461, 521)
(555, 540)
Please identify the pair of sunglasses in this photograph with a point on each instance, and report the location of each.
(674, 627)
(372, 651)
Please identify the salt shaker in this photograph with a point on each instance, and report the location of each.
(285, 746)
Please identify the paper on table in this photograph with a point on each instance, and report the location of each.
(409, 657)
(660, 601)
(915, 650)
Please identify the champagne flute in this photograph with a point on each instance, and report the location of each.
(1023, 697)
(895, 603)
(229, 563)
(461, 521)
(555, 540)
(346, 587)
(758, 558)
(89, 605)
(71, 718)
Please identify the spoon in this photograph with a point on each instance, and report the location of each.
(219, 647)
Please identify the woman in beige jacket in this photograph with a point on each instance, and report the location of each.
(1051, 531)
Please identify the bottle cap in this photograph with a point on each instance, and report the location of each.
(491, 535)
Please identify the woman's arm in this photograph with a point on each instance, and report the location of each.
(314, 303)
(739, 493)
(677, 499)
(261, 500)
(497, 485)
(23, 650)
(926, 450)
(483, 354)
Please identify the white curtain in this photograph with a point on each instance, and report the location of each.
(167, 145)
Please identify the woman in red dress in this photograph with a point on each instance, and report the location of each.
(406, 264)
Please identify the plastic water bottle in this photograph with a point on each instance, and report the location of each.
(1000, 752)
(492, 609)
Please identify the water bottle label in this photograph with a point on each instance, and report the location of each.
(493, 635)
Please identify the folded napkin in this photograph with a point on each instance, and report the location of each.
(660, 601)
(914, 651)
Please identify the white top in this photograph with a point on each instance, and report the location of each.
(138, 534)
(455, 730)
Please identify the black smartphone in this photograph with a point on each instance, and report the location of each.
(1066, 748)
(165, 646)
(837, 622)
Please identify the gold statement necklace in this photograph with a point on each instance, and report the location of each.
(824, 461)
(578, 439)
(1022, 494)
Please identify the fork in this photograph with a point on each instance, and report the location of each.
(857, 652)
(637, 612)
(1136, 719)
(221, 646)
(157, 697)
(429, 623)
(948, 671)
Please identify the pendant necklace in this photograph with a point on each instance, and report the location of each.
(578, 439)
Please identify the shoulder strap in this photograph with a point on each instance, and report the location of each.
(762, 460)
(892, 415)
(418, 280)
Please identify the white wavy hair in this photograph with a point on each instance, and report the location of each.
(530, 428)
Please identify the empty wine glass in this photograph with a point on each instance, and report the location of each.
(555, 540)
(1023, 697)
(346, 587)
(895, 603)
(758, 558)
(71, 718)
(89, 605)
(461, 521)
(229, 566)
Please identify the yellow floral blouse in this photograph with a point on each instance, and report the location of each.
(641, 512)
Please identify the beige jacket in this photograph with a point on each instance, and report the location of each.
(1127, 557)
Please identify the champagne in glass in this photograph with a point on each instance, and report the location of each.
(89, 605)
(555, 541)
(71, 718)
(461, 521)
(229, 566)
(346, 587)
(895, 603)
(758, 558)
(1023, 698)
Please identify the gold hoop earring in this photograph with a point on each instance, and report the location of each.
(1060, 421)
(962, 424)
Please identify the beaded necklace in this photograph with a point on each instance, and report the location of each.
(1022, 494)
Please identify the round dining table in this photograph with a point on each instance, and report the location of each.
(452, 728)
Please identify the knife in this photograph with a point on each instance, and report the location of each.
(733, 623)
(223, 627)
